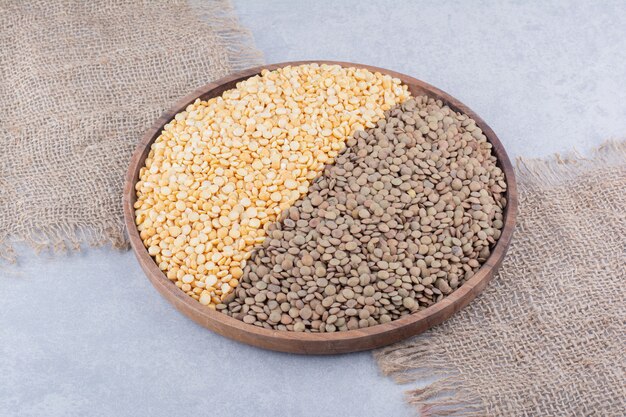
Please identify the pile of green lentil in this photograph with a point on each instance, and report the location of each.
(407, 213)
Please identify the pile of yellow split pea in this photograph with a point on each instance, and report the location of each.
(224, 169)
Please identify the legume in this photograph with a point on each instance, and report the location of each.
(223, 170)
(408, 212)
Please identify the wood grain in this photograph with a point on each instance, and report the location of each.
(318, 343)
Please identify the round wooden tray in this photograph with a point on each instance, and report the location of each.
(317, 343)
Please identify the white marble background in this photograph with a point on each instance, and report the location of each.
(86, 335)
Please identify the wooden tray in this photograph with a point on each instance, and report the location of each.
(318, 343)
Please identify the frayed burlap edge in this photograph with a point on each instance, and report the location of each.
(562, 168)
(62, 238)
(235, 39)
(241, 53)
(422, 358)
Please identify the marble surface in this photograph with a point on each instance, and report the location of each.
(86, 334)
(547, 76)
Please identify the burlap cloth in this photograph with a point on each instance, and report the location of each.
(548, 335)
(80, 82)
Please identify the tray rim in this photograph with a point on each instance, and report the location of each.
(317, 343)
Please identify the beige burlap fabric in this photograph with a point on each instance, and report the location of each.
(80, 82)
(548, 336)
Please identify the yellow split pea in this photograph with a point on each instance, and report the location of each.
(225, 168)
